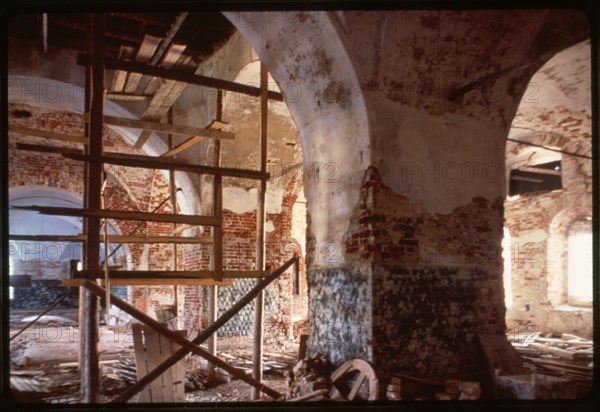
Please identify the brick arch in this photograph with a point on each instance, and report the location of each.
(557, 252)
(322, 90)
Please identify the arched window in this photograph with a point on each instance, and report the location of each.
(580, 255)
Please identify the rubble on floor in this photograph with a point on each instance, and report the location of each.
(309, 379)
(565, 356)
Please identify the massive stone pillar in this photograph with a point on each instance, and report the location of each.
(405, 184)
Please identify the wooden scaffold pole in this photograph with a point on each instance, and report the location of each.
(88, 321)
(260, 233)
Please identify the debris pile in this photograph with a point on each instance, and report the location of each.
(309, 379)
(560, 355)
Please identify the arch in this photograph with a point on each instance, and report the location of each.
(325, 101)
(32, 223)
(52, 93)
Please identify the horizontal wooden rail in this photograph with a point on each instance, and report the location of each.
(166, 274)
(166, 163)
(124, 215)
(115, 239)
(153, 282)
(180, 76)
(166, 128)
(47, 134)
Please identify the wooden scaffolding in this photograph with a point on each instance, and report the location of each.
(96, 277)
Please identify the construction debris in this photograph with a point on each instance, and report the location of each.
(394, 389)
(309, 379)
(564, 356)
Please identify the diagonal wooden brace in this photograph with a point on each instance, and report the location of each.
(188, 346)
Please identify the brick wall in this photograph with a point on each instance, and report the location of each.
(432, 282)
(538, 224)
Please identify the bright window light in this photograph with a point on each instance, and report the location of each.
(580, 269)
(507, 256)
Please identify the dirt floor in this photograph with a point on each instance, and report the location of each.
(44, 363)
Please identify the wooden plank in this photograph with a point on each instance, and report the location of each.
(561, 353)
(115, 239)
(140, 359)
(183, 146)
(181, 76)
(124, 215)
(153, 282)
(153, 354)
(168, 390)
(144, 54)
(126, 97)
(63, 137)
(155, 126)
(150, 162)
(171, 57)
(120, 76)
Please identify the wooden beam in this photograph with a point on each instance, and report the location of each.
(173, 55)
(217, 258)
(89, 337)
(119, 76)
(115, 239)
(167, 128)
(124, 215)
(151, 162)
(144, 54)
(182, 76)
(47, 149)
(153, 282)
(127, 97)
(215, 125)
(62, 137)
(257, 366)
(183, 146)
(204, 335)
(166, 274)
